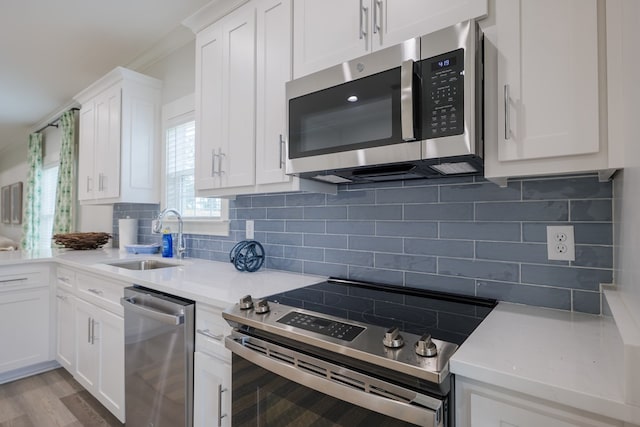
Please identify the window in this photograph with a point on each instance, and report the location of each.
(202, 215)
(48, 204)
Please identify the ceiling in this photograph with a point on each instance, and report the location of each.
(51, 50)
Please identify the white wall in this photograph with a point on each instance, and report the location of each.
(627, 182)
(176, 70)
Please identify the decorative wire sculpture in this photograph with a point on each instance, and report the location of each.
(247, 255)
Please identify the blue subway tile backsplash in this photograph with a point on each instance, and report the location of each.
(463, 235)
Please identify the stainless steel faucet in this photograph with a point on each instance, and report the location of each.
(181, 249)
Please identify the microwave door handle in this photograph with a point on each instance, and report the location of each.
(406, 100)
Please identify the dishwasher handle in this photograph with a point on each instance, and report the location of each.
(168, 318)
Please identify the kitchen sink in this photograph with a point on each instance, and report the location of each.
(143, 264)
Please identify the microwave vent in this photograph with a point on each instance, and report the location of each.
(454, 168)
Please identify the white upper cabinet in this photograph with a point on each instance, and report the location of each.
(329, 32)
(545, 88)
(273, 71)
(119, 139)
(225, 99)
(548, 72)
(243, 61)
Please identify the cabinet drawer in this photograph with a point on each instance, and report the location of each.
(101, 291)
(211, 329)
(21, 278)
(65, 278)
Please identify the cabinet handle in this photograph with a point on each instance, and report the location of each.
(89, 330)
(89, 187)
(93, 331)
(213, 162)
(100, 182)
(364, 10)
(220, 156)
(20, 279)
(64, 279)
(406, 100)
(96, 291)
(281, 152)
(377, 16)
(61, 297)
(207, 333)
(220, 414)
(507, 118)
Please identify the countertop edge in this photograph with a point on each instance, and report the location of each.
(470, 361)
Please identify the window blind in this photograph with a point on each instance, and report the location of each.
(180, 174)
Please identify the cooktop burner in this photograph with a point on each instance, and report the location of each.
(445, 316)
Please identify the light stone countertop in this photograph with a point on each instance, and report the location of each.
(210, 282)
(568, 358)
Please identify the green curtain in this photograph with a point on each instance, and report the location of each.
(31, 208)
(63, 213)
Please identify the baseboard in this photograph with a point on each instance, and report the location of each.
(28, 371)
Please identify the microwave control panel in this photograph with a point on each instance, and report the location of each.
(443, 94)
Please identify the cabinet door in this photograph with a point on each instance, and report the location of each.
(236, 156)
(66, 330)
(24, 327)
(487, 412)
(547, 78)
(107, 143)
(208, 105)
(212, 391)
(396, 21)
(109, 343)
(328, 32)
(273, 71)
(86, 372)
(86, 153)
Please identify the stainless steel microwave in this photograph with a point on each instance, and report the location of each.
(407, 111)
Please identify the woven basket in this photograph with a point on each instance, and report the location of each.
(82, 241)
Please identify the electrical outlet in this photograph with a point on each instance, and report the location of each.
(561, 243)
(153, 227)
(249, 229)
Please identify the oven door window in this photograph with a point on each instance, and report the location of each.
(358, 114)
(262, 398)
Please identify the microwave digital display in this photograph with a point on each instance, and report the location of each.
(443, 63)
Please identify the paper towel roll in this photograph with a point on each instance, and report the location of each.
(128, 232)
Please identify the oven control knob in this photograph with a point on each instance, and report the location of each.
(426, 347)
(262, 306)
(392, 338)
(246, 302)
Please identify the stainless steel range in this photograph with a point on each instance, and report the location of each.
(345, 353)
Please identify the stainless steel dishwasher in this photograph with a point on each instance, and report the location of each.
(158, 343)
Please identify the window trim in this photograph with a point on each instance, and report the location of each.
(178, 111)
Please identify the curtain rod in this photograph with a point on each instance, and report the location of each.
(54, 122)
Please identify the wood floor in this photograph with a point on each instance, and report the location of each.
(51, 399)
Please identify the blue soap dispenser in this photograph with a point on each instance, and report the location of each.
(167, 243)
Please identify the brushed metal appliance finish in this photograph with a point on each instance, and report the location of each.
(366, 347)
(159, 342)
(340, 382)
(358, 68)
(463, 35)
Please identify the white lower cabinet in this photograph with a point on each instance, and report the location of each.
(24, 317)
(484, 405)
(212, 391)
(99, 355)
(212, 369)
(65, 329)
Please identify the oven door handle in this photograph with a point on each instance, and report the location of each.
(424, 410)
